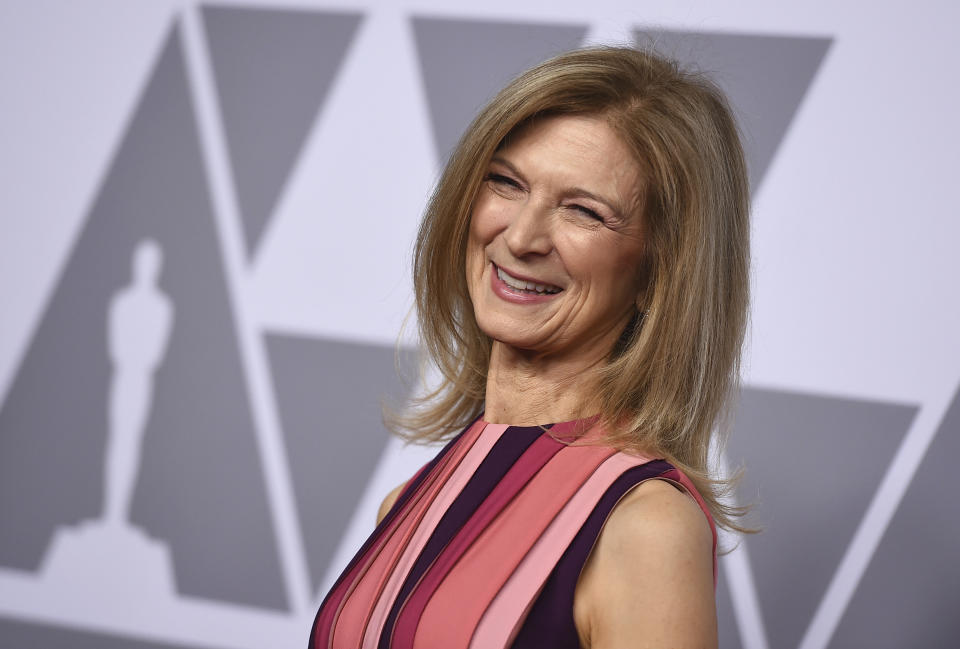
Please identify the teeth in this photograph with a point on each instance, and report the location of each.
(522, 285)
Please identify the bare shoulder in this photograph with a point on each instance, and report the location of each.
(658, 509)
(389, 500)
(649, 580)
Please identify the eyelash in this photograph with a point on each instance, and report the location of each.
(588, 212)
(499, 178)
(506, 180)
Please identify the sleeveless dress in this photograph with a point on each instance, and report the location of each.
(484, 546)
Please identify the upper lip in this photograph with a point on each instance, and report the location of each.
(524, 278)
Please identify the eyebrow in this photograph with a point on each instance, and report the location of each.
(575, 192)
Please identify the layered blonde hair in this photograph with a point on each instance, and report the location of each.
(668, 384)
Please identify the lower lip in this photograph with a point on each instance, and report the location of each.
(510, 294)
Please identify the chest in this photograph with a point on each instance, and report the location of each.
(483, 549)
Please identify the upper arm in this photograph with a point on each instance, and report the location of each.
(649, 581)
(389, 500)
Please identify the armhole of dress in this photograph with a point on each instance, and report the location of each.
(414, 481)
(703, 508)
(596, 538)
(405, 492)
(679, 486)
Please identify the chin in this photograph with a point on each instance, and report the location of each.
(505, 334)
(533, 342)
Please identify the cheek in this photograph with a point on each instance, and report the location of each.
(625, 277)
(489, 217)
(484, 233)
(611, 268)
(477, 240)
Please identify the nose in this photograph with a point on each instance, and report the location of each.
(530, 230)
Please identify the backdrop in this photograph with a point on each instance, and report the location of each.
(206, 219)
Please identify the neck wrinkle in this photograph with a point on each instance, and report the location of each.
(526, 391)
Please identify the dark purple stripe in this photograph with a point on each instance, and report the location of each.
(397, 506)
(512, 444)
(550, 622)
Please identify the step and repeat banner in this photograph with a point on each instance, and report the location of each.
(206, 218)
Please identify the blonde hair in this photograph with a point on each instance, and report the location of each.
(670, 380)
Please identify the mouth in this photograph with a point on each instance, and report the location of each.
(526, 286)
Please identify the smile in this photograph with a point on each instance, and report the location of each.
(532, 288)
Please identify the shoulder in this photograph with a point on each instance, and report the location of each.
(388, 501)
(650, 575)
(658, 520)
(660, 512)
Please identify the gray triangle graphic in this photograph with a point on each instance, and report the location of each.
(21, 633)
(910, 593)
(329, 395)
(465, 62)
(273, 69)
(800, 452)
(765, 77)
(199, 486)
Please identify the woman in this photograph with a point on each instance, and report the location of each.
(584, 260)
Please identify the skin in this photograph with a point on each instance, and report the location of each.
(648, 582)
(533, 217)
(562, 205)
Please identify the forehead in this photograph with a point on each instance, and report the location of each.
(575, 149)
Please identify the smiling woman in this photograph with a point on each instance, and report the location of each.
(554, 252)
(581, 278)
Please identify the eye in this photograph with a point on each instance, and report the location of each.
(500, 179)
(588, 212)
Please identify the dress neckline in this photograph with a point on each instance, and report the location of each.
(573, 429)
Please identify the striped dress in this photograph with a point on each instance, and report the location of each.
(484, 546)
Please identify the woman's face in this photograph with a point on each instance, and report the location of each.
(556, 239)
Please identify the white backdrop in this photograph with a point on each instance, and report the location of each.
(855, 305)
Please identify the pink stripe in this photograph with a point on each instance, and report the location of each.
(679, 476)
(505, 615)
(323, 633)
(328, 621)
(358, 607)
(537, 455)
(452, 613)
(438, 508)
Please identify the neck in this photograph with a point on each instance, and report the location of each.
(526, 389)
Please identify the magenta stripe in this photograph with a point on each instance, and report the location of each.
(507, 610)
(447, 494)
(519, 474)
(508, 449)
(333, 604)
